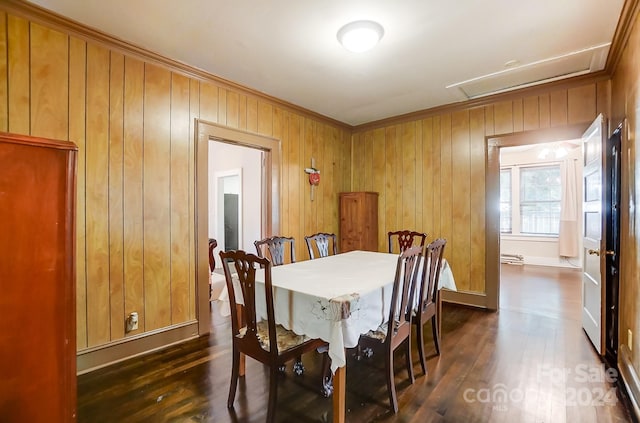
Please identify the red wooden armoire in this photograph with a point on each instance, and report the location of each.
(37, 280)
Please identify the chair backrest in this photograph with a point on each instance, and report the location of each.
(321, 241)
(403, 294)
(405, 239)
(243, 291)
(277, 246)
(431, 272)
(212, 261)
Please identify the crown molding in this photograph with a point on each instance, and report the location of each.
(43, 16)
(487, 100)
(621, 35)
(37, 14)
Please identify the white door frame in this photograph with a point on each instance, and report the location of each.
(219, 205)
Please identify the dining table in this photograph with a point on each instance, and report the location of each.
(336, 298)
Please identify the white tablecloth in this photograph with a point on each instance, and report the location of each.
(335, 298)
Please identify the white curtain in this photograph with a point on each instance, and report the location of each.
(568, 237)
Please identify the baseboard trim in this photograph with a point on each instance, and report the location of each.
(629, 379)
(472, 299)
(93, 359)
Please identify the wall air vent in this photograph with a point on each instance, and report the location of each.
(576, 63)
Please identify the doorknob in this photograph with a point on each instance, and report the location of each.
(610, 253)
(594, 252)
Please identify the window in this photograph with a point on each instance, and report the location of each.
(530, 200)
(505, 201)
(540, 193)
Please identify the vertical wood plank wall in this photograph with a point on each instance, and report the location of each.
(626, 103)
(430, 172)
(133, 122)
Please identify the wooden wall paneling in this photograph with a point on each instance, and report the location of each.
(581, 104)
(280, 133)
(18, 75)
(378, 166)
(427, 161)
(232, 109)
(446, 187)
(419, 178)
(157, 203)
(345, 160)
(436, 230)
(531, 114)
(209, 102)
(4, 99)
(308, 210)
(490, 121)
(133, 130)
(252, 114)
(518, 115)
(77, 96)
(503, 115)
(369, 170)
(321, 145)
(194, 113)
(558, 108)
(391, 183)
(305, 158)
(180, 236)
(324, 151)
(398, 177)
(49, 83)
(265, 118)
(461, 197)
(408, 176)
(295, 181)
(116, 194)
(242, 112)
(222, 106)
(358, 160)
(603, 101)
(545, 110)
(302, 181)
(332, 174)
(97, 196)
(477, 199)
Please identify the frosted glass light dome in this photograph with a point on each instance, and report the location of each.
(360, 36)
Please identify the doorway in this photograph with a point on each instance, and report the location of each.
(267, 192)
(540, 204)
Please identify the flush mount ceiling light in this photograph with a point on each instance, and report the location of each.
(360, 36)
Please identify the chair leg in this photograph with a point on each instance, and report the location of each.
(436, 333)
(391, 384)
(412, 378)
(235, 370)
(273, 394)
(420, 341)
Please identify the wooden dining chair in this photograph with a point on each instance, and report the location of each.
(427, 309)
(405, 239)
(262, 340)
(277, 246)
(320, 243)
(396, 330)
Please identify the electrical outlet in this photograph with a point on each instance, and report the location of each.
(131, 323)
(630, 339)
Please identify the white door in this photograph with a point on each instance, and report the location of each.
(593, 278)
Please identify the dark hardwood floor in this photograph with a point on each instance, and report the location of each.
(529, 362)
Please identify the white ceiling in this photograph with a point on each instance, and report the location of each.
(288, 48)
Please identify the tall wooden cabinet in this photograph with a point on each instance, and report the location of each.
(37, 280)
(358, 221)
